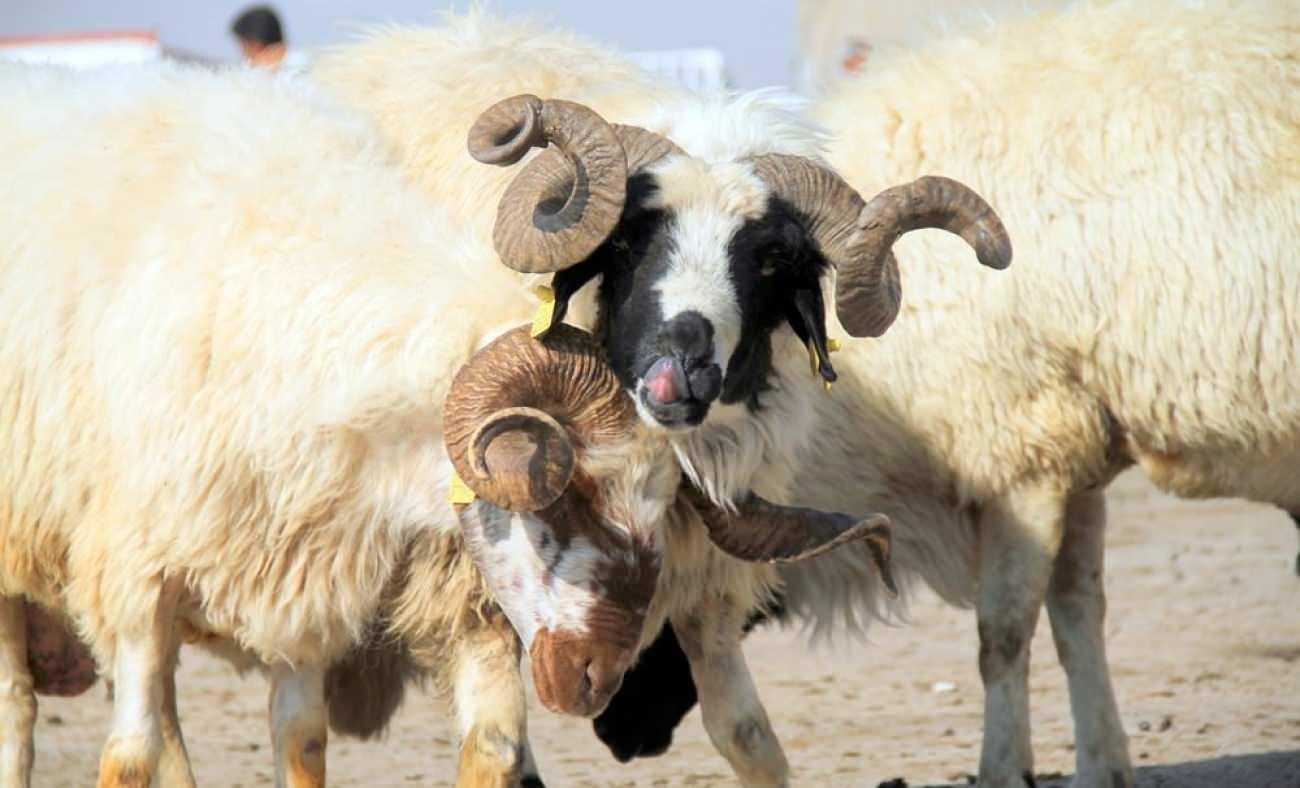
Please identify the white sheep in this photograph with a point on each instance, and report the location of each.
(227, 347)
(151, 410)
(1144, 157)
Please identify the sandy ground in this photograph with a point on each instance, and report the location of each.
(1204, 639)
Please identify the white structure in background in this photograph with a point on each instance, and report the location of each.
(83, 50)
(838, 37)
(698, 69)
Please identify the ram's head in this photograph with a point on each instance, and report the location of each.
(700, 263)
(571, 500)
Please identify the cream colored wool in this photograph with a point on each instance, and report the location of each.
(229, 328)
(424, 86)
(1145, 157)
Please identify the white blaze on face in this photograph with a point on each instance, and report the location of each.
(537, 582)
(708, 203)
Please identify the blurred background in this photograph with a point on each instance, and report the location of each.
(741, 44)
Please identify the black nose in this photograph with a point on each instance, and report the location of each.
(689, 337)
(687, 340)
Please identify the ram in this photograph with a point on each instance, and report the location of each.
(702, 271)
(1144, 157)
(227, 347)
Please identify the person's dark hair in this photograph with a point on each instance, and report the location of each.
(259, 23)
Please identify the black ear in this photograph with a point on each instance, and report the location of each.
(746, 376)
(808, 319)
(572, 279)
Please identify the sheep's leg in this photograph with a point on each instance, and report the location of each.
(734, 716)
(1295, 518)
(491, 710)
(17, 698)
(1076, 606)
(1020, 535)
(532, 775)
(141, 660)
(174, 762)
(299, 724)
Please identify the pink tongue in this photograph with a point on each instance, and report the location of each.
(662, 382)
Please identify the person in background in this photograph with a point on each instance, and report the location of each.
(261, 40)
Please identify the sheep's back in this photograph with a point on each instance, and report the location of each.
(1144, 159)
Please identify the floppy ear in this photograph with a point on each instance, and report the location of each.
(568, 282)
(808, 319)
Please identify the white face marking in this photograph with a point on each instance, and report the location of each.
(537, 584)
(698, 277)
(709, 204)
(542, 583)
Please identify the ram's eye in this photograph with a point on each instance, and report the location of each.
(772, 259)
(621, 246)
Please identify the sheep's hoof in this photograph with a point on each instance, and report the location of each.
(490, 759)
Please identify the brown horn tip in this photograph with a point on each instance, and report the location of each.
(567, 199)
(933, 201)
(857, 238)
(879, 540)
(762, 531)
(868, 292)
(527, 456)
(507, 130)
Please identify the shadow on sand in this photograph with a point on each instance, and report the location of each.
(1265, 770)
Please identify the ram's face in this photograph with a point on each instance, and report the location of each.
(576, 579)
(703, 268)
(568, 506)
(700, 263)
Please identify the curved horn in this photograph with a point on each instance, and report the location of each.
(763, 531)
(513, 411)
(566, 200)
(643, 147)
(857, 237)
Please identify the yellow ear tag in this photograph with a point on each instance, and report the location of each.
(814, 361)
(458, 491)
(545, 314)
